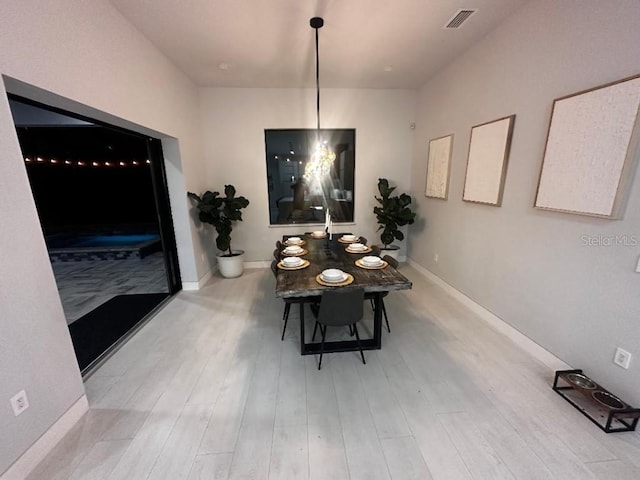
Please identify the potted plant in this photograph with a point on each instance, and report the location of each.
(393, 212)
(221, 212)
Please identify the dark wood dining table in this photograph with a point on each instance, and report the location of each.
(300, 286)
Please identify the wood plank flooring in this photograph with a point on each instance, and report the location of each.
(206, 390)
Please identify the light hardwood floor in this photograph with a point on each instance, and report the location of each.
(206, 390)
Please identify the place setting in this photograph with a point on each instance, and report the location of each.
(371, 263)
(358, 248)
(334, 277)
(293, 263)
(317, 234)
(349, 239)
(294, 251)
(293, 241)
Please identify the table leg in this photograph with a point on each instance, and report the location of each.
(377, 320)
(302, 349)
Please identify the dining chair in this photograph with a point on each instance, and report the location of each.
(287, 305)
(276, 254)
(288, 301)
(279, 245)
(363, 240)
(370, 296)
(375, 250)
(340, 308)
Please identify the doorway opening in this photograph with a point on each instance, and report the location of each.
(102, 199)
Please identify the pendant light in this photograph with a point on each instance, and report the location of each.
(322, 157)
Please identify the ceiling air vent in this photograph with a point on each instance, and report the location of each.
(459, 18)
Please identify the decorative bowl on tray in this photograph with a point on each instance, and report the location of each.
(608, 400)
(581, 381)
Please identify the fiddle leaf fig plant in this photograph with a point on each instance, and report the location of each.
(220, 212)
(393, 212)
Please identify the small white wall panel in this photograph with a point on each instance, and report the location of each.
(439, 167)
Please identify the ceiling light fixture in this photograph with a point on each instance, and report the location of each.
(322, 157)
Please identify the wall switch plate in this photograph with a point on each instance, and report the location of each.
(622, 358)
(638, 266)
(19, 402)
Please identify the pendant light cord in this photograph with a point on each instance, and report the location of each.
(317, 83)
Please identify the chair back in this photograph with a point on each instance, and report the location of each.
(278, 244)
(391, 261)
(274, 268)
(341, 307)
(375, 250)
(276, 254)
(363, 240)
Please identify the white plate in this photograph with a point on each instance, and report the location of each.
(371, 261)
(357, 246)
(295, 249)
(349, 238)
(334, 280)
(317, 233)
(293, 241)
(292, 261)
(333, 275)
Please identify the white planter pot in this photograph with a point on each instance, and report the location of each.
(392, 250)
(231, 267)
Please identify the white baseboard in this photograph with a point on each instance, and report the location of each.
(41, 448)
(532, 348)
(193, 286)
(258, 264)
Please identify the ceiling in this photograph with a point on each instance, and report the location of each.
(269, 43)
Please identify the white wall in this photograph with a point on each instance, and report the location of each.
(234, 120)
(531, 267)
(82, 56)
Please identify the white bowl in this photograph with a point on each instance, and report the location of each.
(349, 238)
(332, 275)
(293, 249)
(371, 260)
(293, 240)
(291, 261)
(317, 233)
(357, 246)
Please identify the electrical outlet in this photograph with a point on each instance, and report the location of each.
(19, 402)
(435, 257)
(622, 358)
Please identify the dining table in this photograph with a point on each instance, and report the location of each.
(303, 286)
